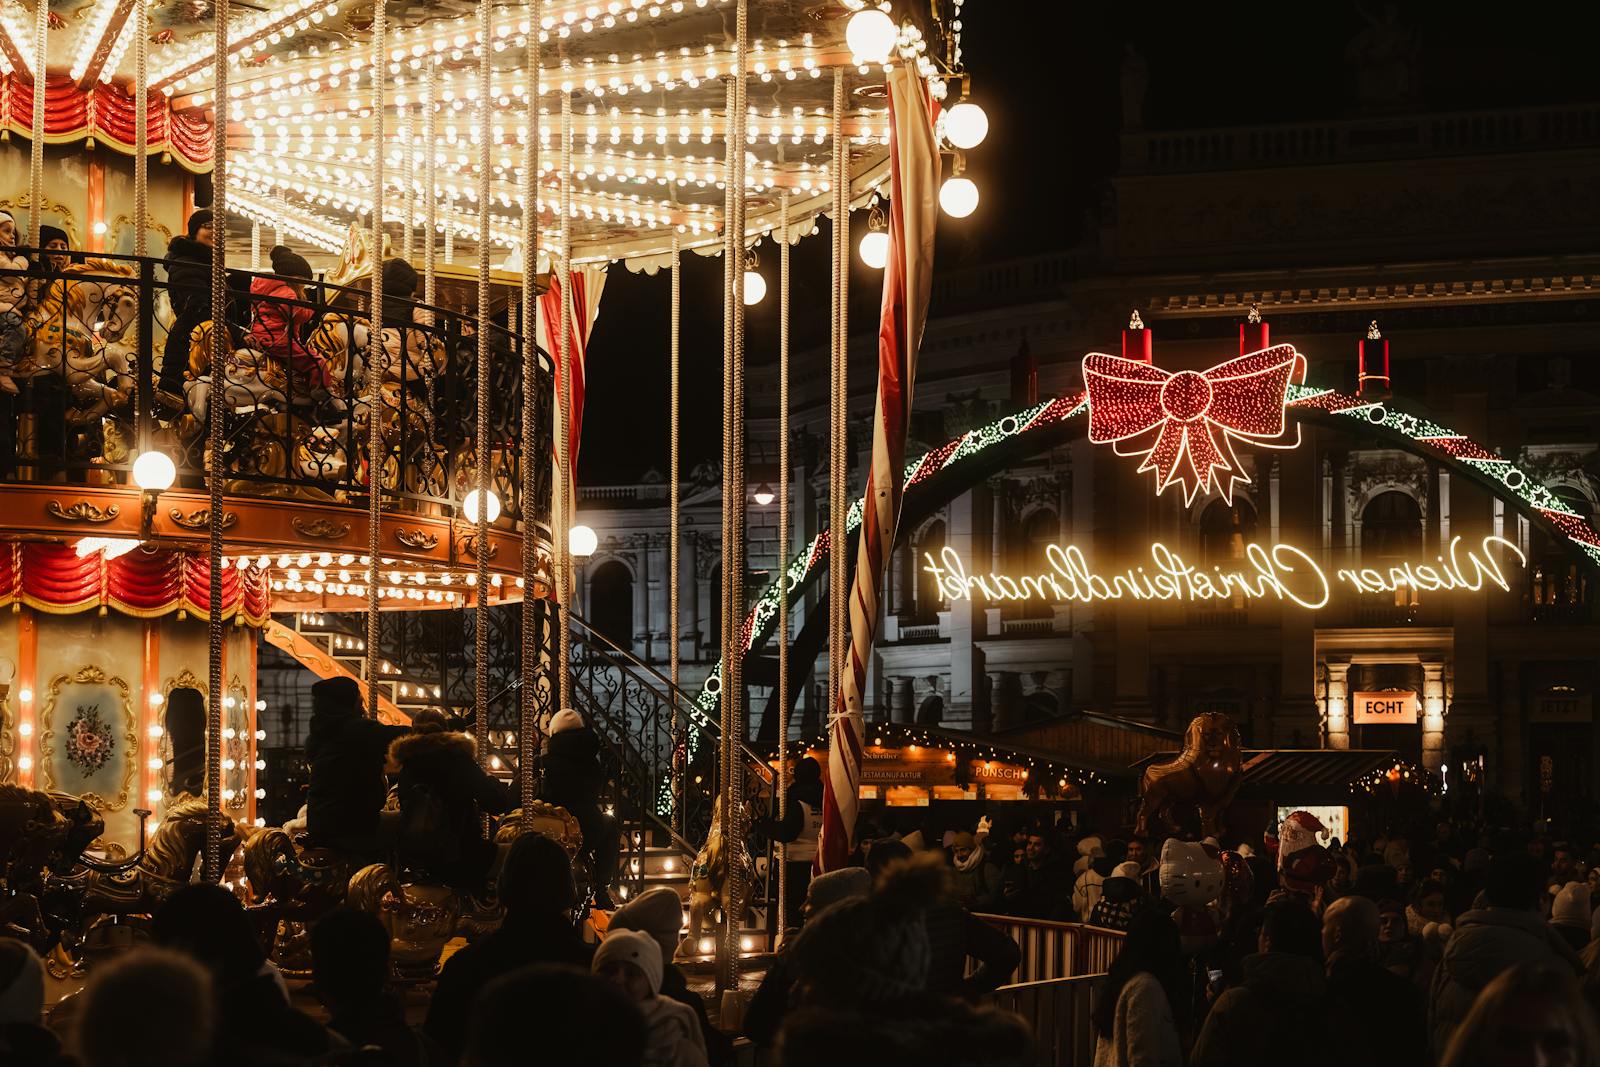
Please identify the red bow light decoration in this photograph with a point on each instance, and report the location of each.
(1183, 423)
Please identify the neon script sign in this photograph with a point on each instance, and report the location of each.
(1276, 572)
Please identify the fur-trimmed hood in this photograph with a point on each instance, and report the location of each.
(439, 745)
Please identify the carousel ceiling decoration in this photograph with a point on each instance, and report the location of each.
(648, 109)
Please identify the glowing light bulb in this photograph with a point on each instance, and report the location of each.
(871, 35)
(958, 197)
(874, 249)
(469, 506)
(965, 125)
(755, 287)
(154, 471)
(582, 540)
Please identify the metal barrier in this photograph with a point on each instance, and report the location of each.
(1059, 1012)
(1052, 950)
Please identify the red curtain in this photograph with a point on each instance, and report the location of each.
(106, 112)
(141, 583)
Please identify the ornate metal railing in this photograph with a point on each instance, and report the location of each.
(108, 356)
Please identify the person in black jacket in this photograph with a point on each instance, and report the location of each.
(350, 974)
(572, 779)
(444, 795)
(802, 819)
(189, 289)
(536, 889)
(346, 752)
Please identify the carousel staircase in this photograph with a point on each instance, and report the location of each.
(633, 709)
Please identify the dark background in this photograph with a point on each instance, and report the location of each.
(1048, 74)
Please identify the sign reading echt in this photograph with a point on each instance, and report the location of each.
(1279, 572)
(1389, 706)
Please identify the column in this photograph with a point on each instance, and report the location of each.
(1295, 505)
(1131, 503)
(1002, 712)
(1336, 704)
(641, 597)
(969, 535)
(903, 698)
(688, 598)
(1433, 715)
(657, 595)
(1508, 764)
(872, 691)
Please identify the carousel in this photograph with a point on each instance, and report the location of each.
(294, 304)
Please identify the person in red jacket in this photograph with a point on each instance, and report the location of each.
(280, 320)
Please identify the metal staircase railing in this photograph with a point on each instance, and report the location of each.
(643, 722)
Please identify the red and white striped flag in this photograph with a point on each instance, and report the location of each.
(587, 284)
(913, 203)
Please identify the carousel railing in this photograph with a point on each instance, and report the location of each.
(1052, 950)
(106, 357)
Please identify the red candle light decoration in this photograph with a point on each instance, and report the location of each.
(1137, 341)
(1254, 334)
(1373, 362)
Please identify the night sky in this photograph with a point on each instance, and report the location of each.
(1050, 82)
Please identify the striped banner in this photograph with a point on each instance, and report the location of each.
(914, 197)
(587, 284)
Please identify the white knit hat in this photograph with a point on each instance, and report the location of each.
(1571, 907)
(635, 947)
(1129, 869)
(566, 720)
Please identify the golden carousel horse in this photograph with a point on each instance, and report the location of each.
(39, 832)
(709, 884)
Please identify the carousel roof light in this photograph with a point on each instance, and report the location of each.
(965, 125)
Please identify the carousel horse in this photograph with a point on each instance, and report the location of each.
(39, 832)
(1206, 774)
(252, 379)
(292, 885)
(162, 867)
(710, 886)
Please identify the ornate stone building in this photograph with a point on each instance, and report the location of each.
(1472, 239)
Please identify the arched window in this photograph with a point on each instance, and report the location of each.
(185, 727)
(931, 713)
(1559, 583)
(930, 601)
(1391, 531)
(1391, 528)
(1224, 531)
(611, 603)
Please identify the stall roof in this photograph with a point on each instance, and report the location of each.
(1295, 775)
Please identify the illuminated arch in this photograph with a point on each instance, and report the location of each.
(938, 476)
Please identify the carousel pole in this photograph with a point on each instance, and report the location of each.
(41, 63)
(532, 454)
(783, 551)
(430, 161)
(217, 473)
(480, 629)
(733, 565)
(376, 356)
(255, 246)
(408, 195)
(562, 277)
(141, 198)
(838, 447)
(679, 764)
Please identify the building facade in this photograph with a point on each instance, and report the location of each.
(1473, 241)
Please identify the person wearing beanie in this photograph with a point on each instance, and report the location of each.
(659, 913)
(631, 961)
(350, 975)
(346, 751)
(399, 288)
(537, 892)
(188, 264)
(976, 880)
(767, 1008)
(573, 779)
(23, 1036)
(1091, 880)
(1382, 1018)
(1570, 914)
(444, 796)
(798, 831)
(281, 316)
(1119, 898)
(55, 247)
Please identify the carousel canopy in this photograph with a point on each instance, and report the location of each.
(647, 88)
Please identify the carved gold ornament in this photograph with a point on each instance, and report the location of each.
(321, 529)
(201, 519)
(419, 539)
(81, 511)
